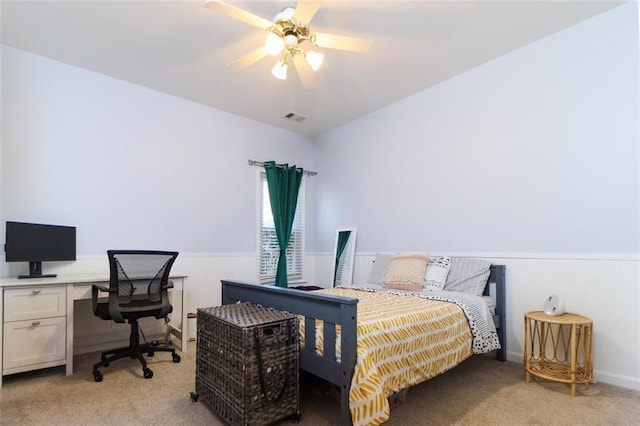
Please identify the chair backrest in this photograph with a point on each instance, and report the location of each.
(140, 275)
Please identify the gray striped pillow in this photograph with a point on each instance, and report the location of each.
(468, 275)
(379, 268)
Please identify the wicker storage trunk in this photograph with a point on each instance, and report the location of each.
(247, 363)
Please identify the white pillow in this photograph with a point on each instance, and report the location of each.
(437, 271)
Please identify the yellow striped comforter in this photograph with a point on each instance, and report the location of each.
(402, 341)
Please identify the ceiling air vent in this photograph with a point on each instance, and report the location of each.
(295, 117)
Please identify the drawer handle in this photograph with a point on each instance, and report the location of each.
(36, 291)
(35, 323)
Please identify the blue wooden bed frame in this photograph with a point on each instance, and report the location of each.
(337, 310)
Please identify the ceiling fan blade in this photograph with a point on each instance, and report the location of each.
(237, 13)
(333, 41)
(248, 59)
(306, 10)
(306, 74)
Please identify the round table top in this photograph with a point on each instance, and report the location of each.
(566, 318)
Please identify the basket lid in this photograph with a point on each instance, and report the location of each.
(246, 314)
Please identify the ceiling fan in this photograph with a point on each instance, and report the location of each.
(290, 37)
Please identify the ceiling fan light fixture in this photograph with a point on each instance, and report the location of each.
(279, 70)
(291, 40)
(285, 14)
(314, 59)
(274, 44)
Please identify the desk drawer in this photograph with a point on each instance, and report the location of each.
(33, 342)
(35, 302)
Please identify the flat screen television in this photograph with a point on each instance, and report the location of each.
(36, 243)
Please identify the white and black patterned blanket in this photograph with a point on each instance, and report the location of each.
(483, 330)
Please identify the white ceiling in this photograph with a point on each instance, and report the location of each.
(181, 48)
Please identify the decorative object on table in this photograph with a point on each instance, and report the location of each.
(554, 305)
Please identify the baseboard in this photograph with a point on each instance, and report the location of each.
(600, 376)
(617, 380)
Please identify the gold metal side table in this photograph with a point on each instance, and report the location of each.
(558, 348)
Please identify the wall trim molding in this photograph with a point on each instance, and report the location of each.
(182, 254)
(632, 257)
(618, 257)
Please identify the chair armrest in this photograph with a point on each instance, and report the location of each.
(100, 287)
(166, 307)
(114, 307)
(95, 289)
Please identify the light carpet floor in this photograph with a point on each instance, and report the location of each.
(480, 391)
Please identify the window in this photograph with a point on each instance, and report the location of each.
(268, 248)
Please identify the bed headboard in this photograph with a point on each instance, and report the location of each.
(496, 289)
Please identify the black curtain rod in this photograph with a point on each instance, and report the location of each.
(261, 164)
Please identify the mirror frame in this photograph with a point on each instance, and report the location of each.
(347, 258)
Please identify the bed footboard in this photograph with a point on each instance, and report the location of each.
(332, 310)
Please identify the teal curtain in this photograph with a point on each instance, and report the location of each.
(283, 182)
(343, 238)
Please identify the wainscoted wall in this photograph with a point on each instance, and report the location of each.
(603, 288)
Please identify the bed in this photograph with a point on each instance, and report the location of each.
(329, 337)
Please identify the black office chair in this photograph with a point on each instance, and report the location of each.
(138, 285)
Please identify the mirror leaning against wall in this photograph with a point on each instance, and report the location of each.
(344, 256)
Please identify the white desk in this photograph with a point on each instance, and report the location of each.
(37, 320)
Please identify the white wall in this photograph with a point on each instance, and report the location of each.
(531, 160)
(127, 165)
(536, 151)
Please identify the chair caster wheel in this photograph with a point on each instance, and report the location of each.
(155, 343)
(97, 376)
(151, 353)
(147, 373)
(194, 396)
(176, 358)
